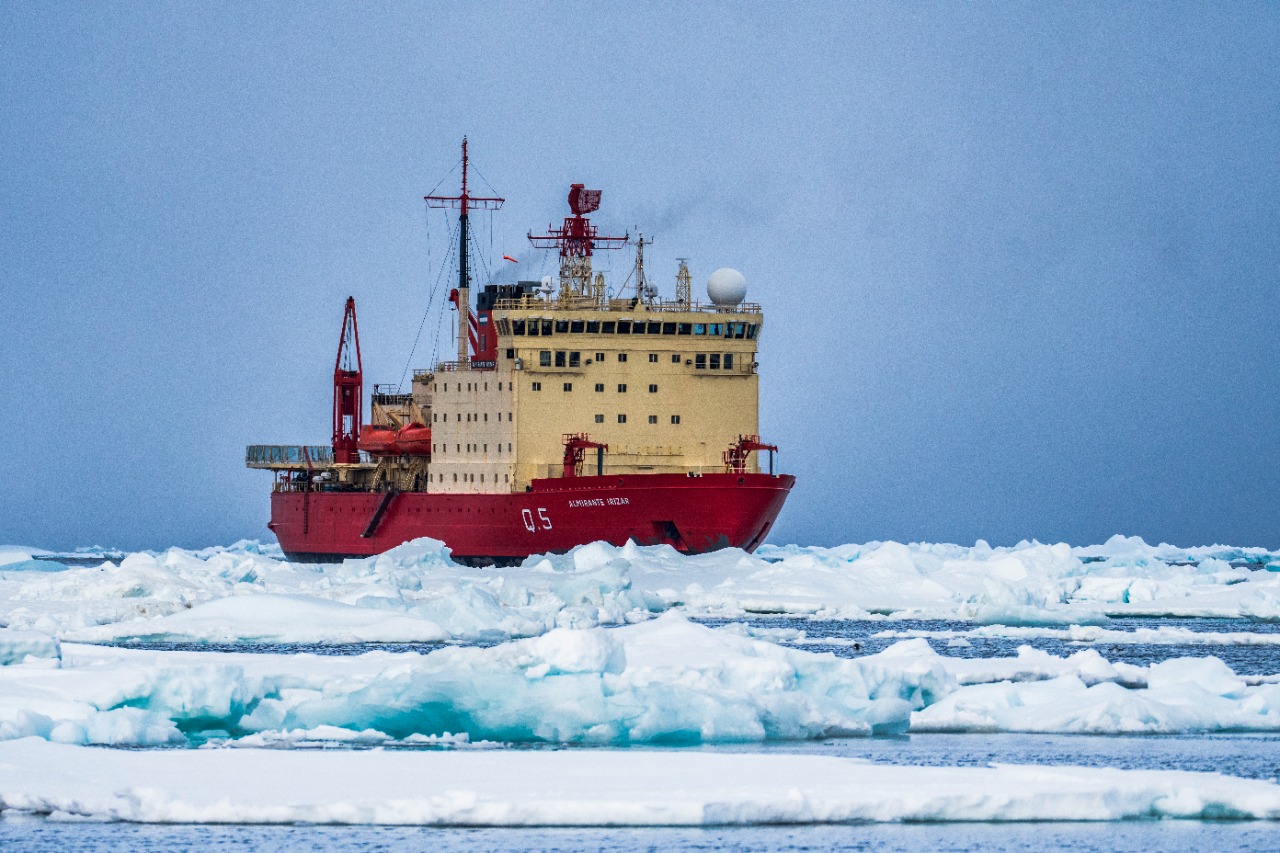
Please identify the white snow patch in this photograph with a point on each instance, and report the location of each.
(588, 788)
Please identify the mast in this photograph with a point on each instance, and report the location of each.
(644, 291)
(463, 203)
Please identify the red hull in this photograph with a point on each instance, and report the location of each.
(692, 514)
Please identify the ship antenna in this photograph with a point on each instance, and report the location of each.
(576, 240)
(684, 283)
(644, 290)
(465, 202)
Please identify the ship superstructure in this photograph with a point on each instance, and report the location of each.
(569, 415)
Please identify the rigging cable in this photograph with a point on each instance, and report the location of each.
(430, 300)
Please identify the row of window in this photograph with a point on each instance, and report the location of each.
(653, 419)
(540, 327)
(467, 478)
(443, 448)
(469, 386)
(622, 387)
(573, 358)
(443, 417)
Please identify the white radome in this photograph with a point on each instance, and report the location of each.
(727, 287)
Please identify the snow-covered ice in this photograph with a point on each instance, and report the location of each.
(588, 788)
(145, 595)
(666, 680)
(662, 681)
(1163, 635)
(594, 648)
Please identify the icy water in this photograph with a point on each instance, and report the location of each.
(853, 638)
(32, 835)
(1254, 756)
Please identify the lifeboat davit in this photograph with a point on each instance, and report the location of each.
(414, 440)
(378, 440)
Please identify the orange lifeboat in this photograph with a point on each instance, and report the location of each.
(414, 440)
(378, 440)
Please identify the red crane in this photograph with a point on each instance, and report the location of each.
(575, 445)
(735, 458)
(348, 390)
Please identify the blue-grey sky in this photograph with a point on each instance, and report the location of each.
(1020, 262)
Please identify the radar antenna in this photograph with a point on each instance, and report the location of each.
(576, 240)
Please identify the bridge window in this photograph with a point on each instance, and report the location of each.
(728, 361)
(699, 328)
(624, 327)
(607, 327)
(576, 326)
(668, 328)
(546, 327)
(533, 328)
(562, 326)
(593, 327)
(560, 355)
(517, 327)
(575, 359)
(684, 328)
(715, 361)
(752, 328)
(700, 361)
(655, 327)
(675, 358)
(544, 358)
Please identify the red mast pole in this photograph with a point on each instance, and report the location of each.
(348, 390)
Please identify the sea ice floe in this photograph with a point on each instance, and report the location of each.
(662, 681)
(1163, 636)
(588, 788)
(27, 646)
(1028, 584)
(666, 680)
